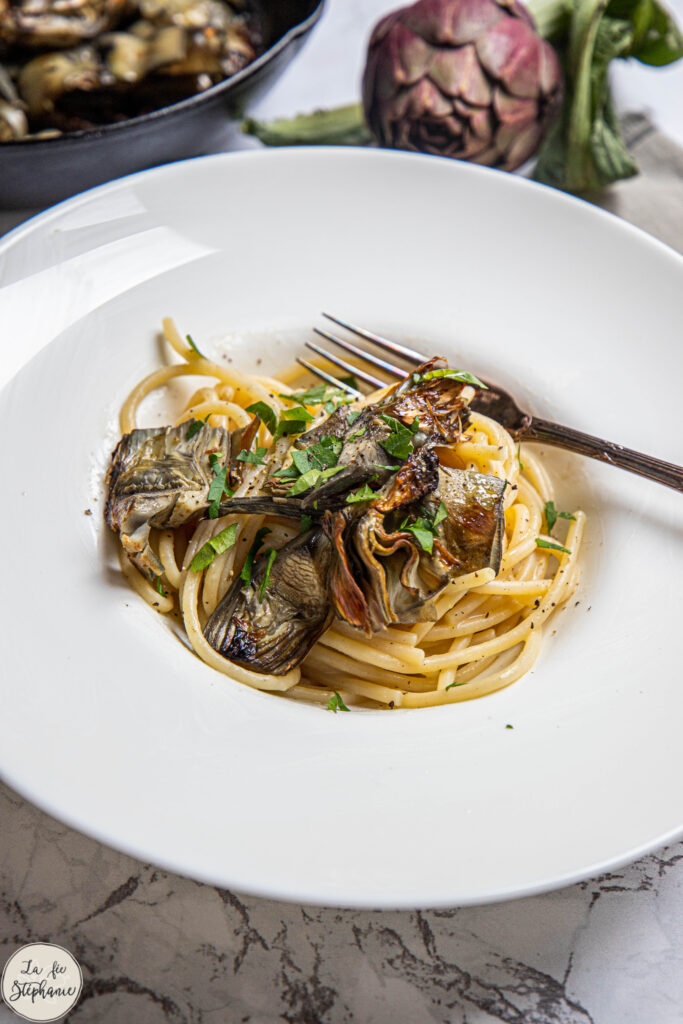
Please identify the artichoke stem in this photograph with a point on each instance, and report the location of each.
(552, 17)
(340, 126)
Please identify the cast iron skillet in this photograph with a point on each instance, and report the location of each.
(38, 172)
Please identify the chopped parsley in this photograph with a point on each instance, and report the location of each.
(195, 427)
(265, 414)
(364, 493)
(248, 566)
(194, 347)
(399, 443)
(379, 465)
(255, 458)
(456, 683)
(297, 413)
(223, 541)
(305, 524)
(336, 704)
(159, 588)
(289, 427)
(424, 527)
(218, 486)
(358, 433)
(552, 515)
(353, 416)
(540, 543)
(272, 555)
(313, 478)
(462, 375)
(519, 456)
(325, 394)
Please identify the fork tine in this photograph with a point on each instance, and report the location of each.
(362, 354)
(329, 378)
(353, 370)
(377, 339)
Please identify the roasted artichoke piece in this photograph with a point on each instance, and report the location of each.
(271, 627)
(398, 555)
(432, 410)
(160, 477)
(58, 23)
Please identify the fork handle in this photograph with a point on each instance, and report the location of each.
(536, 429)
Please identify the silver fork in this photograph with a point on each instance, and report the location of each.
(495, 402)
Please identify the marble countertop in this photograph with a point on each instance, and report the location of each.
(156, 948)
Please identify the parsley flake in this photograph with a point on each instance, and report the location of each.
(255, 458)
(159, 588)
(519, 456)
(456, 683)
(552, 515)
(461, 375)
(363, 493)
(540, 543)
(194, 347)
(218, 486)
(195, 427)
(265, 414)
(399, 443)
(305, 524)
(223, 541)
(336, 704)
(272, 555)
(245, 574)
(313, 478)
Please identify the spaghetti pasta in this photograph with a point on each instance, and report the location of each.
(487, 629)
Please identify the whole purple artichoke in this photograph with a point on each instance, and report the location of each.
(462, 78)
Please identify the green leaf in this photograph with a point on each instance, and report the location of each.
(451, 685)
(265, 414)
(223, 541)
(441, 514)
(159, 588)
(325, 453)
(364, 493)
(462, 375)
(359, 433)
(353, 416)
(313, 478)
(399, 443)
(218, 486)
(519, 456)
(289, 427)
(336, 704)
(297, 413)
(194, 428)
(255, 458)
(193, 346)
(341, 126)
(245, 574)
(423, 535)
(540, 543)
(552, 515)
(288, 473)
(272, 555)
(305, 524)
(657, 40)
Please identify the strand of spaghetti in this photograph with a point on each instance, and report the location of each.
(233, 412)
(538, 476)
(458, 677)
(515, 588)
(189, 596)
(388, 634)
(167, 556)
(324, 660)
(405, 658)
(453, 592)
(481, 687)
(473, 625)
(436, 662)
(360, 688)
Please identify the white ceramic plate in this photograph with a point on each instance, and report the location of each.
(111, 724)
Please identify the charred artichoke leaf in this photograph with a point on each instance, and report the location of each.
(270, 629)
(431, 410)
(160, 477)
(397, 575)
